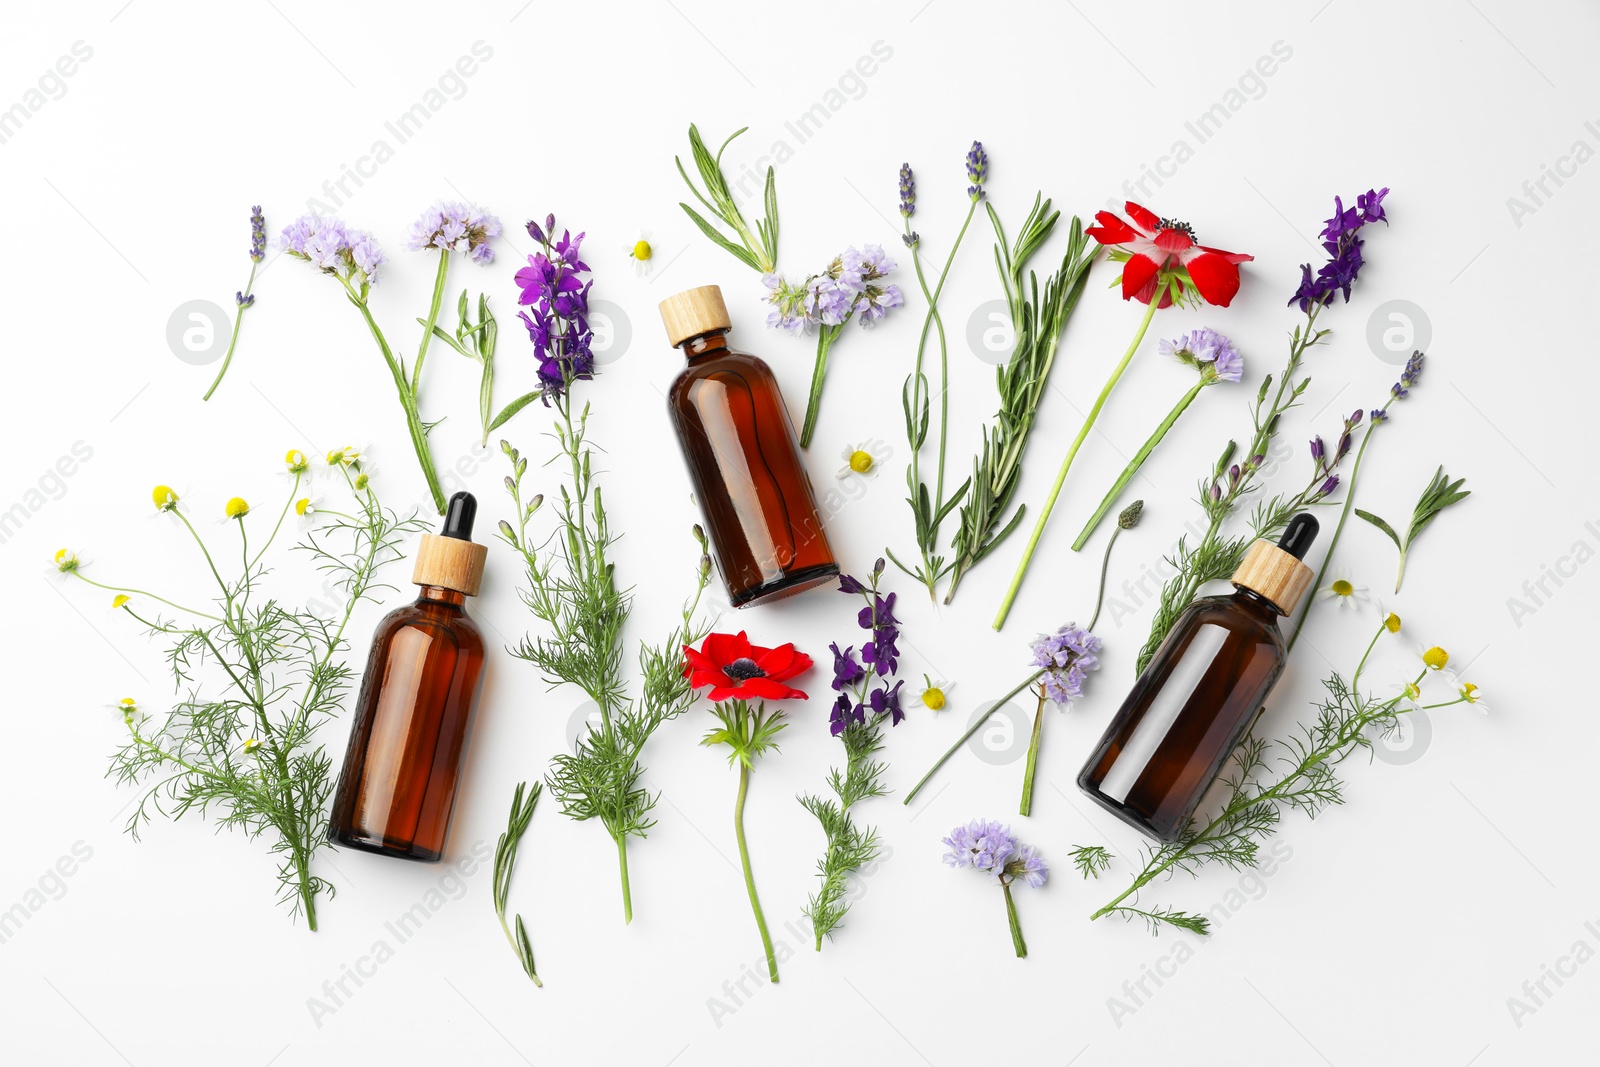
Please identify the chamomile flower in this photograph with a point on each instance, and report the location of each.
(250, 746)
(305, 510)
(642, 253)
(1473, 695)
(1344, 590)
(345, 457)
(120, 600)
(236, 508)
(858, 459)
(164, 498)
(935, 693)
(66, 561)
(1391, 621)
(295, 461)
(1410, 693)
(129, 708)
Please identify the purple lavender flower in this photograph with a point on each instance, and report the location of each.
(908, 192)
(1067, 656)
(350, 255)
(788, 304)
(977, 169)
(258, 234)
(455, 227)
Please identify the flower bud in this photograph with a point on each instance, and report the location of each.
(1129, 518)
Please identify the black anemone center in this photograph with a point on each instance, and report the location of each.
(1181, 227)
(743, 669)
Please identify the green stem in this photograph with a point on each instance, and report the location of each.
(408, 402)
(1066, 464)
(1033, 757)
(825, 339)
(433, 317)
(749, 878)
(627, 891)
(238, 318)
(1011, 920)
(1338, 530)
(1136, 462)
(974, 728)
(1105, 568)
(944, 355)
(140, 592)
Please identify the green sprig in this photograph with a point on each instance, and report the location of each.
(505, 859)
(757, 250)
(1439, 494)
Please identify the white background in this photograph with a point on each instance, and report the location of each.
(1401, 923)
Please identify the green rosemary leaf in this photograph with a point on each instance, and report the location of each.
(1380, 524)
(722, 242)
(505, 858)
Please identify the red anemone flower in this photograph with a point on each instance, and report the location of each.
(1157, 247)
(734, 668)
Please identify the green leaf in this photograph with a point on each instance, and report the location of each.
(511, 409)
(1380, 524)
(738, 251)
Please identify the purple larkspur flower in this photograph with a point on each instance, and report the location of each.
(456, 227)
(1066, 656)
(1327, 487)
(885, 700)
(1342, 242)
(845, 713)
(1318, 450)
(846, 670)
(848, 584)
(558, 315)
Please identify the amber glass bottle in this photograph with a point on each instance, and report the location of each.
(760, 513)
(398, 785)
(1190, 708)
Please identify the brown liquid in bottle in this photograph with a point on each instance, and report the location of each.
(760, 513)
(1191, 707)
(398, 785)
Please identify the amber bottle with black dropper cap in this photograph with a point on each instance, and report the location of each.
(398, 785)
(1192, 705)
(744, 461)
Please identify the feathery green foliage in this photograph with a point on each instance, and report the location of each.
(850, 845)
(1091, 860)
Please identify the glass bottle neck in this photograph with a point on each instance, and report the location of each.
(438, 594)
(1257, 604)
(706, 345)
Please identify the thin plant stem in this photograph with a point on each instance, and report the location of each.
(1033, 756)
(825, 339)
(1066, 464)
(1338, 530)
(974, 728)
(1105, 568)
(749, 878)
(1136, 462)
(233, 341)
(1012, 921)
(627, 891)
(433, 317)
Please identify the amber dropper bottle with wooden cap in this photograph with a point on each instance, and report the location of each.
(744, 461)
(1192, 705)
(398, 785)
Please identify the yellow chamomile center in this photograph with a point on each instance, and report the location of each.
(1469, 693)
(66, 561)
(119, 600)
(236, 508)
(295, 460)
(361, 481)
(641, 250)
(1392, 623)
(343, 457)
(302, 506)
(1436, 658)
(860, 462)
(933, 698)
(251, 745)
(1413, 692)
(163, 497)
(129, 706)
(1342, 587)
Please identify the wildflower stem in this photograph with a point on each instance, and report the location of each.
(1135, 463)
(238, 318)
(1338, 530)
(825, 339)
(974, 728)
(1105, 568)
(627, 891)
(433, 317)
(1033, 757)
(140, 592)
(1066, 464)
(749, 878)
(1012, 921)
(273, 536)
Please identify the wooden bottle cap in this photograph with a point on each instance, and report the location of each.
(1275, 574)
(694, 312)
(450, 563)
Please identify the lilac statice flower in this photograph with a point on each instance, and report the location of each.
(558, 315)
(852, 285)
(1208, 351)
(1028, 865)
(348, 254)
(456, 227)
(981, 845)
(1066, 657)
(789, 312)
(1341, 240)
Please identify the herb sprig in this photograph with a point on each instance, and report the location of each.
(1439, 494)
(757, 250)
(505, 860)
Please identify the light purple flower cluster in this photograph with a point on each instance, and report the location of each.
(258, 234)
(1341, 240)
(458, 227)
(559, 299)
(879, 659)
(351, 255)
(1206, 347)
(987, 846)
(977, 169)
(1067, 656)
(852, 285)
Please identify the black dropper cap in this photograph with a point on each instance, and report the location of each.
(1296, 539)
(463, 509)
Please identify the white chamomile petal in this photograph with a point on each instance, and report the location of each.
(1343, 589)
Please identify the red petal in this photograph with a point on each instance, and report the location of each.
(1112, 230)
(1231, 257)
(1144, 217)
(1173, 241)
(1138, 274)
(778, 663)
(1216, 277)
(723, 649)
(769, 689)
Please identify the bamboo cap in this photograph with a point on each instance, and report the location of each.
(451, 559)
(694, 312)
(1274, 570)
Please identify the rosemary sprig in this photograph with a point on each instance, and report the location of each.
(757, 250)
(572, 589)
(244, 751)
(505, 858)
(1038, 323)
(1439, 494)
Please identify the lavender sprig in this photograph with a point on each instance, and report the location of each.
(246, 297)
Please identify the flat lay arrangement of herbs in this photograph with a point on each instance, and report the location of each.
(256, 677)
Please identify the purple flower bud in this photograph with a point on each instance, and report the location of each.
(1317, 449)
(1234, 474)
(977, 169)
(536, 233)
(1329, 486)
(1355, 418)
(1379, 415)
(908, 191)
(1258, 459)
(1216, 491)
(911, 239)
(877, 568)
(1344, 444)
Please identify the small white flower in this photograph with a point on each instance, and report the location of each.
(1473, 695)
(1344, 590)
(642, 254)
(858, 459)
(935, 694)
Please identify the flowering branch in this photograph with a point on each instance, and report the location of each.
(245, 298)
